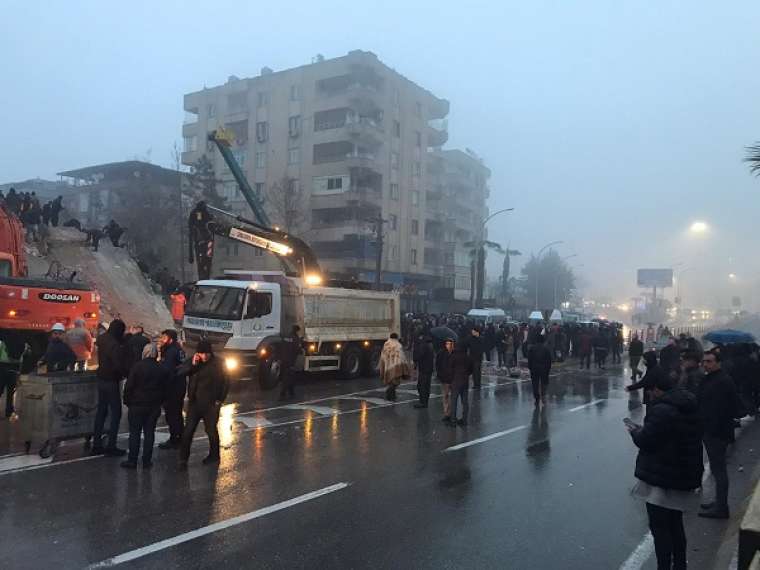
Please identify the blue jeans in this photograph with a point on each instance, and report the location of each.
(109, 404)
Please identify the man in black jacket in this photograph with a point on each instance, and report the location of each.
(423, 358)
(206, 392)
(539, 364)
(292, 347)
(144, 393)
(476, 346)
(170, 356)
(670, 358)
(653, 374)
(113, 367)
(444, 373)
(461, 368)
(635, 352)
(717, 407)
(669, 464)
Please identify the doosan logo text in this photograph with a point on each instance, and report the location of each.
(60, 297)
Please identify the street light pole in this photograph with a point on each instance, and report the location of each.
(538, 265)
(480, 261)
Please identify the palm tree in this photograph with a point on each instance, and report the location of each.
(478, 267)
(505, 272)
(753, 158)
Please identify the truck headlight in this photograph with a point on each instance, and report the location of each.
(231, 363)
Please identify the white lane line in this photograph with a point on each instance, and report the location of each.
(322, 410)
(216, 527)
(484, 439)
(376, 401)
(21, 461)
(253, 422)
(591, 403)
(640, 554)
(49, 464)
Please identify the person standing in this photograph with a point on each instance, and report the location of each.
(292, 347)
(501, 347)
(9, 369)
(635, 352)
(585, 343)
(113, 367)
(58, 355)
(670, 358)
(137, 342)
(393, 366)
(539, 364)
(55, 210)
(144, 393)
(206, 392)
(654, 372)
(601, 348)
(80, 341)
(424, 361)
(443, 371)
(668, 467)
(170, 356)
(178, 302)
(717, 406)
(475, 345)
(691, 373)
(461, 368)
(616, 340)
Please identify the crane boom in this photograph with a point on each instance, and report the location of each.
(223, 139)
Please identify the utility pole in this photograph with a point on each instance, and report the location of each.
(182, 219)
(378, 228)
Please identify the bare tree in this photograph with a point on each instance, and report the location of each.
(284, 201)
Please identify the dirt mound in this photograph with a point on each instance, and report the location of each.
(125, 292)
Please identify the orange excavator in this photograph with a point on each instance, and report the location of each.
(29, 307)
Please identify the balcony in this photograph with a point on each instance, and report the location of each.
(437, 132)
(438, 109)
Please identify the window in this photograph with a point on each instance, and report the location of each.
(396, 129)
(211, 110)
(294, 155)
(262, 99)
(394, 252)
(415, 227)
(191, 144)
(259, 304)
(295, 92)
(230, 191)
(335, 183)
(415, 198)
(262, 132)
(418, 139)
(259, 187)
(418, 109)
(416, 169)
(394, 160)
(236, 102)
(414, 257)
(393, 221)
(294, 126)
(394, 191)
(261, 159)
(214, 302)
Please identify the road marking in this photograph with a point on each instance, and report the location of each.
(484, 439)
(216, 527)
(376, 401)
(21, 461)
(640, 554)
(322, 410)
(253, 422)
(591, 403)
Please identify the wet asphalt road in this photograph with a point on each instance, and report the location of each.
(340, 479)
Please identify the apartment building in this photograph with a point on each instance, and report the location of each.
(352, 139)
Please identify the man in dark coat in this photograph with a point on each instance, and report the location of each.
(55, 210)
(206, 392)
(136, 343)
(443, 371)
(652, 376)
(539, 364)
(670, 458)
(423, 358)
(291, 347)
(585, 344)
(170, 356)
(58, 355)
(717, 407)
(461, 369)
(691, 373)
(113, 367)
(670, 357)
(144, 393)
(635, 352)
(476, 348)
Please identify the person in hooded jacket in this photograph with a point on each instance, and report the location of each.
(461, 369)
(539, 364)
(668, 466)
(113, 367)
(144, 392)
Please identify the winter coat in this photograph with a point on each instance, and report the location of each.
(670, 358)
(476, 347)
(208, 382)
(648, 381)
(461, 368)
(424, 357)
(393, 363)
(539, 359)
(636, 348)
(146, 385)
(171, 359)
(80, 341)
(291, 347)
(136, 343)
(585, 342)
(670, 442)
(691, 379)
(718, 405)
(443, 368)
(58, 355)
(113, 358)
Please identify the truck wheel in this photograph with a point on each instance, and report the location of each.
(372, 361)
(351, 363)
(270, 373)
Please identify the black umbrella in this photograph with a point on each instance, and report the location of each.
(443, 333)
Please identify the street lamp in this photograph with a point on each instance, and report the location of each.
(698, 227)
(480, 272)
(538, 264)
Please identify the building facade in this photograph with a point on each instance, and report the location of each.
(353, 142)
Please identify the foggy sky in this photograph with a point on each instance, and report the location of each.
(609, 125)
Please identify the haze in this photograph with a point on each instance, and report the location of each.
(609, 125)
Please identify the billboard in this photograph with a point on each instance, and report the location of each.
(654, 277)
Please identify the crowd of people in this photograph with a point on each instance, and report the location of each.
(33, 214)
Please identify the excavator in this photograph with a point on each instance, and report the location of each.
(206, 222)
